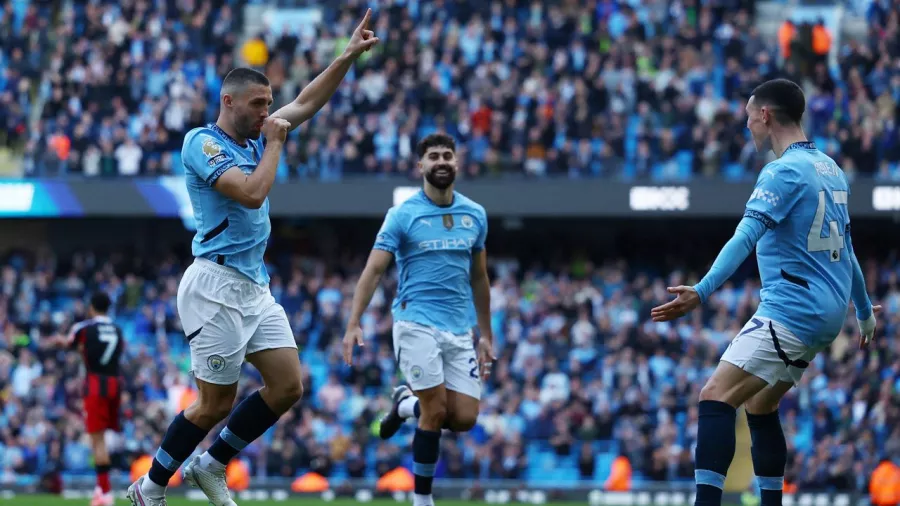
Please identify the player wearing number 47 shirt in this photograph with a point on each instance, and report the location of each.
(437, 238)
(797, 218)
(101, 344)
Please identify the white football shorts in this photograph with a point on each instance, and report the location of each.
(226, 317)
(429, 357)
(768, 350)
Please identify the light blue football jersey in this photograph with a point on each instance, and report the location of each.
(805, 268)
(227, 232)
(433, 246)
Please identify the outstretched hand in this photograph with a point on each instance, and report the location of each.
(686, 300)
(867, 328)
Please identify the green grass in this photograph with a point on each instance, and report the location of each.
(33, 500)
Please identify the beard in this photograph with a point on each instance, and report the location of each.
(246, 128)
(441, 182)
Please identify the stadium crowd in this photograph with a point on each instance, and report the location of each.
(583, 375)
(577, 88)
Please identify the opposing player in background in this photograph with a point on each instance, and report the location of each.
(101, 344)
(224, 302)
(437, 237)
(798, 220)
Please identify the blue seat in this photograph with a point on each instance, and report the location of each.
(603, 465)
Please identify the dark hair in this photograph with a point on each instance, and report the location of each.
(785, 97)
(435, 140)
(241, 77)
(101, 302)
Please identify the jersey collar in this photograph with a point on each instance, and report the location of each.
(428, 199)
(801, 145)
(215, 128)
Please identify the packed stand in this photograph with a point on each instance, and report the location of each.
(24, 38)
(583, 376)
(571, 88)
(853, 111)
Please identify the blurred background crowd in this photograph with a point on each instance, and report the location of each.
(583, 376)
(577, 88)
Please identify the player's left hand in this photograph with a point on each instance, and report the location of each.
(685, 301)
(485, 357)
(867, 328)
(362, 39)
(353, 337)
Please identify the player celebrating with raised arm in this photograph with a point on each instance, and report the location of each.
(224, 302)
(437, 237)
(798, 220)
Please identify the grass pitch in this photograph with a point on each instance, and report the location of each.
(43, 500)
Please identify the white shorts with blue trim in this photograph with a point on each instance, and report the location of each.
(429, 357)
(768, 350)
(226, 317)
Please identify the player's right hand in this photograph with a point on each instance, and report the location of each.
(276, 129)
(867, 328)
(362, 38)
(686, 300)
(353, 336)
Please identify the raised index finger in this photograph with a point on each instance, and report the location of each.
(364, 24)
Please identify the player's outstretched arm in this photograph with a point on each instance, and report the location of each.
(733, 254)
(481, 293)
(865, 311)
(378, 262)
(251, 190)
(858, 292)
(317, 93)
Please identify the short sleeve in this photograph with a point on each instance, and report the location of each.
(482, 233)
(390, 235)
(207, 157)
(76, 336)
(777, 190)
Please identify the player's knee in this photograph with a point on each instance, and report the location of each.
(463, 422)
(210, 409)
(283, 395)
(433, 415)
(757, 406)
(711, 391)
(209, 414)
(290, 392)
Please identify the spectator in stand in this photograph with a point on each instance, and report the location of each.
(580, 366)
(548, 89)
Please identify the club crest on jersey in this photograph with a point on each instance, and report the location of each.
(466, 221)
(215, 363)
(416, 372)
(211, 148)
(448, 221)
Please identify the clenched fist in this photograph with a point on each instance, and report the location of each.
(276, 129)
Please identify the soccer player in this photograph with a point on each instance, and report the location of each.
(224, 302)
(798, 220)
(437, 237)
(101, 345)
